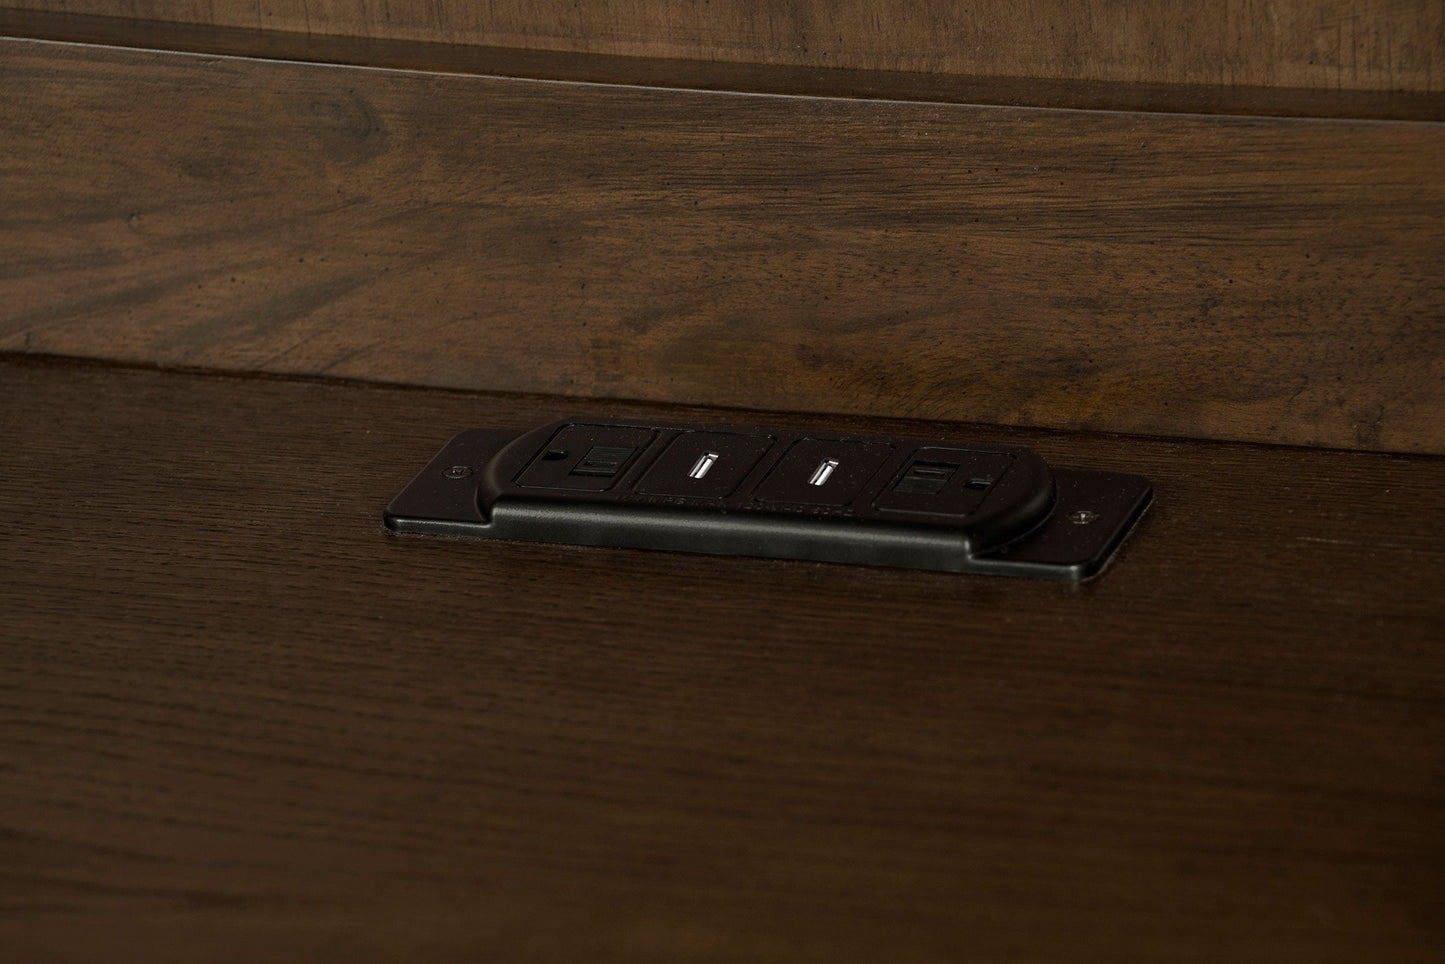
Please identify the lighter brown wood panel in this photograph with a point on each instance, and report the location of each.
(589, 67)
(1325, 44)
(240, 721)
(1264, 279)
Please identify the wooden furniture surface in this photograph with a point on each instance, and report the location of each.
(1384, 45)
(241, 721)
(1266, 279)
(382, 48)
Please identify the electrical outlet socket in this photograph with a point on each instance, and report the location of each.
(589, 458)
(943, 481)
(704, 465)
(915, 503)
(823, 472)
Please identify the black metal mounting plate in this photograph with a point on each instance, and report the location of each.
(912, 503)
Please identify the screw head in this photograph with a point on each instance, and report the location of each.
(1083, 517)
(457, 472)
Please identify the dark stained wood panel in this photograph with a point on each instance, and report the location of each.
(769, 78)
(1250, 278)
(241, 721)
(1322, 44)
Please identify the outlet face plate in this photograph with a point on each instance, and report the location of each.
(914, 503)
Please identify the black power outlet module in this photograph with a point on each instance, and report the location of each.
(914, 503)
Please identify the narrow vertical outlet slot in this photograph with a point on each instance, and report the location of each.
(702, 465)
(822, 473)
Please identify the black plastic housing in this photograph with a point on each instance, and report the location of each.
(907, 502)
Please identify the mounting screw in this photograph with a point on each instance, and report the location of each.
(457, 472)
(1083, 517)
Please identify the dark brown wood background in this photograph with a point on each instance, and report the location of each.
(243, 722)
(1264, 279)
(240, 721)
(1330, 44)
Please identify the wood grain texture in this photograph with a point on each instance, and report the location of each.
(240, 721)
(1323, 44)
(812, 81)
(1260, 279)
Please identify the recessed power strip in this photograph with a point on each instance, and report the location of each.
(887, 501)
